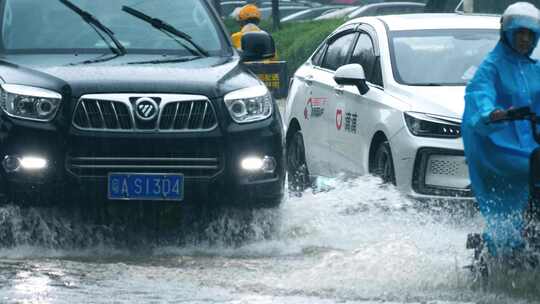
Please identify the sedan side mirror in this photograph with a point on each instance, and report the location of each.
(257, 46)
(352, 74)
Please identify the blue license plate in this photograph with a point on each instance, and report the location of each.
(155, 187)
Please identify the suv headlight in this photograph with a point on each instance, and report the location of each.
(428, 125)
(250, 104)
(29, 102)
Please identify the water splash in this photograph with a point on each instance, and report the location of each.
(348, 240)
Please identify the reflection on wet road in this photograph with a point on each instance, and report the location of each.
(359, 242)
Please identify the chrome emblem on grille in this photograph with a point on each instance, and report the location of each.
(146, 109)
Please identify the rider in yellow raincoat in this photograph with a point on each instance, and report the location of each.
(249, 17)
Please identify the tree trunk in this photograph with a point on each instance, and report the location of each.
(275, 14)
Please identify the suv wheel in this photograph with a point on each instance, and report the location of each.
(383, 164)
(297, 171)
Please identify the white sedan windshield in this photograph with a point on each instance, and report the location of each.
(439, 57)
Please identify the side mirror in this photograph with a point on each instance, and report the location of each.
(352, 74)
(257, 46)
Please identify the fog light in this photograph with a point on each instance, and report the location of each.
(252, 163)
(33, 163)
(11, 163)
(266, 164)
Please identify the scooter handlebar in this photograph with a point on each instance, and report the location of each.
(521, 113)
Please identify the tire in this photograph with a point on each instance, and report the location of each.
(297, 170)
(383, 164)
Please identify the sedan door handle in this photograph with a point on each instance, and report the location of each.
(338, 90)
(309, 80)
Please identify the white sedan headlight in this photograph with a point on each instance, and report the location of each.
(250, 104)
(29, 102)
(429, 125)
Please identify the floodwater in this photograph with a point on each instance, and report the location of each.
(357, 242)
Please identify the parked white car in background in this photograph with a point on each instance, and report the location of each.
(384, 95)
(387, 8)
(375, 9)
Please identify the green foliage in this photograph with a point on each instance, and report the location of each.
(295, 41)
(231, 25)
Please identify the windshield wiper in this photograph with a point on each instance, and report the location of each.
(97, 26)
(167, 29)
(426, 84)
(102, 58)
(165, 61)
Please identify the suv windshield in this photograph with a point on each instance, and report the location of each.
(450, 56)
(38, 26)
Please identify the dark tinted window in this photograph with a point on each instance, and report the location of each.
(442, 6)
(317, 58)
(338, 51)
(364, 54)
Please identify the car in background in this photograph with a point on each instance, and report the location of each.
(311, 13)
(478, 6)
(227, 7)
(338, 14)
(284, 11)
(384, 96)
(154, 104)
(309, 3)
(387, 8)
(347, 2)
(268, 3)
(375, 9)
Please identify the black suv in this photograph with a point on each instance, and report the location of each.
(133, 100)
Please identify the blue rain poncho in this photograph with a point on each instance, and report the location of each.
(498, 154)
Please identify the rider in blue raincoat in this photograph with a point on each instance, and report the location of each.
(498, 153)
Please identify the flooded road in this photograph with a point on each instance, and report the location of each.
(359, 242)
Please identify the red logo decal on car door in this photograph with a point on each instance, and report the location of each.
(339, 119)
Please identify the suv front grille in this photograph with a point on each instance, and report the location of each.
(187, 115)
(102, 115)
(117, 113)
(101, 166)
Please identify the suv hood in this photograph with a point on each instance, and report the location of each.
(212, 76)
(443, 100)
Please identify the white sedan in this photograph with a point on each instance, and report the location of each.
(384, 95)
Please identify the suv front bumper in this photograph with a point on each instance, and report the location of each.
(78, 162)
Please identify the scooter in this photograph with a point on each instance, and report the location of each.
(528, 257)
